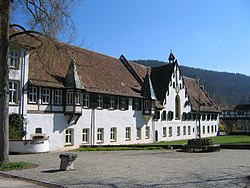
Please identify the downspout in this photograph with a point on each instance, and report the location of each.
(92, 127)
(22, 81)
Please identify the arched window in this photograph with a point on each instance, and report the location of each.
(177, 107)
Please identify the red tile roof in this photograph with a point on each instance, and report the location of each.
(198, 97)
(49, 64)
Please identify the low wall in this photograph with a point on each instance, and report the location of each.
(29, 146)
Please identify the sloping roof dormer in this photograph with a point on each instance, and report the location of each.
(73, 80)
(147, 90)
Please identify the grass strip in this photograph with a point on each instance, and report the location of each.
(7, 166)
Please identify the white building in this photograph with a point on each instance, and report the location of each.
(78, 97)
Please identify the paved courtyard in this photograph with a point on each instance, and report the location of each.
(155, 168)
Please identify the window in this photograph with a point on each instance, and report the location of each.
(100, 102)
(123, 104)
(208, 129)
(173, 84)
(45, 96)
(203, 117)
(203, 130)
(147, 132)
(157, 115)
(146, 104)
(170, 115)
(215, 128)
(100, 135)
(170, 132)
(212, 129)
(38, 130)
(70, 98)
(32, 94)
(86, 101)
(85, 135)
(113, 133)
(138, 134)
(164, 131)
(164, 115)
(128, 133)
(78, 98)
(14, 59)
(189, 130)
(178, 131)
(58, 96)
(184, 130)
(13, 92)
(136, 104)
(69, 134)
(111, 103)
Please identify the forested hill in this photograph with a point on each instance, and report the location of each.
(223, 87)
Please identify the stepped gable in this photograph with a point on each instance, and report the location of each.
(197, 95)
(160, 77)
(99, 73)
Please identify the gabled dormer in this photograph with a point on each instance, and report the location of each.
(148, 93)
(74, 91)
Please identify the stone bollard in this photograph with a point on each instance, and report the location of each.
(67, 161)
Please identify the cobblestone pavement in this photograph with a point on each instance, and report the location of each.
(155, 168)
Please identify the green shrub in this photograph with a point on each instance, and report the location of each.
(16, 131)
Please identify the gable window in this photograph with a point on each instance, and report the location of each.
(58, 96)
(86, 101)
(147, 132)
(100, 102)
(178, 131)
(170, 133)
(170, 115)
(100, 135)
(70, 98)
(78, 98)
(14, 59)
(173, 84)
(184, 130)
(164, 131)
(32, 94)
(45, 96)
(111, 103)
(157, 115)
(13, 92)
(113, 133)
(189, 130)
(85, 135)
(128, 133)
(69, 136)
(138, 134)
(164, 115)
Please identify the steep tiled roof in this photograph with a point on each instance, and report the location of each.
(98, 73)
(160, 77)
(198, 97)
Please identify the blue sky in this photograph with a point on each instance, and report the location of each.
(207, 34)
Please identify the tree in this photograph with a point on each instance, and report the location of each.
(44, 17)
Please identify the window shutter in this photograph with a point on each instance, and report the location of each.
(93, 100)
(106, 103)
